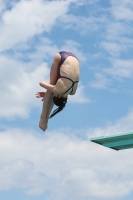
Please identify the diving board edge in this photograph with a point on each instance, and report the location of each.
(116, 142)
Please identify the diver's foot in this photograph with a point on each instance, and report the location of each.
(43, 125)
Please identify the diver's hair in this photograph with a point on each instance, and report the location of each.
(60, 102)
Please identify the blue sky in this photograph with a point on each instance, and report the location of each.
(62, 163)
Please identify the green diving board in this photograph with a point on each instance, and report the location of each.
(116, 142)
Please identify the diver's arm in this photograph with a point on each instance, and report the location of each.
(59, 88)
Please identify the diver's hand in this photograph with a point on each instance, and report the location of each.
(40, 95)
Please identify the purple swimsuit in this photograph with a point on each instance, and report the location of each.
(64, 55)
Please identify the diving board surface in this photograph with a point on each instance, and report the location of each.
(117, 142)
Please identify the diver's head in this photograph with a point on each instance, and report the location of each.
(60, 102)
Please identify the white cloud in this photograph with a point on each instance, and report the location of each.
(44, 49)
(114, 49)
(28, 18)
(122, 10)
(72, 46)
(79, 97)
(63, 163)
(118, 30)
(123, 124)
(47, 48)
(2, 5)
(117, 39)
(121, 68)
(86, 2)
(116, 42)
(101, 81)
(82, 24)
(19, 84)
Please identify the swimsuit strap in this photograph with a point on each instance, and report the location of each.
(73, 82)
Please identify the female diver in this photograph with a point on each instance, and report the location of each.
(64, 77)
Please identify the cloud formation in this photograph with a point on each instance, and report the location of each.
(29, 18)
(63, 163)
(79, 97)
(116, 43)
(18, 88)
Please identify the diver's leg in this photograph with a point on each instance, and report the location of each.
(48, 98)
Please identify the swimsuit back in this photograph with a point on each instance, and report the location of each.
(64, 55)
